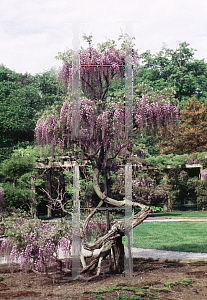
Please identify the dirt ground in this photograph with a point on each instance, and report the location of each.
(151, 280)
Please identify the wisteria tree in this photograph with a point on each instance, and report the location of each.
(102, 136)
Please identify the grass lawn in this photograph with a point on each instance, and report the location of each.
(172, 214)
(180, 214)
(175, 236)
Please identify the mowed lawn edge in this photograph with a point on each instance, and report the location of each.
(175, 236)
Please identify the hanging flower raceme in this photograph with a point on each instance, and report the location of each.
(95, 67)
(104, 129)
(154, 114)
(45, 130)
(34, 242)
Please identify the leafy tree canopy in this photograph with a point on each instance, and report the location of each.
(192, 132)
(177, 69)
(22, 97)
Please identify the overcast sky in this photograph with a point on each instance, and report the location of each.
(32, 32)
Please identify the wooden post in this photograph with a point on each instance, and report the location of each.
(49, 190)
(128, 215)
(107, 214)
(62, 188)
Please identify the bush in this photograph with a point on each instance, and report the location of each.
(34, 242)
(201, 191)
(156, 209)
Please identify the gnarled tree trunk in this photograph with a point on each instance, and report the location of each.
(118, 254)
(114, 236)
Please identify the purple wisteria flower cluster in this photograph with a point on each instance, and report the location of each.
(106, 128)
(33, 242)
(96, 65)
(154, 114)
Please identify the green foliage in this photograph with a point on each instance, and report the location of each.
(185, 281)
(12, 169)
(50, 92)
(183, 188)
(171, 283)
(16, 174)
(141, 292)
(22, 97)
(19, 102)
(149, 144)
(156, 209)
(145, 188)
(201, 191)
(177, 69)
(202, 160)
(16, 197)
(170, 159)
(153, 296)
(86, 186)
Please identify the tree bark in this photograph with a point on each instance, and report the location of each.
(113, 237)
(108, 200)
(118, 253)
(167, 205)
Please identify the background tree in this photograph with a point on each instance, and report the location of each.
(201, 190)
(18, 178)
(192, 132)
(50, 91)
(177, 69)
(22, 97)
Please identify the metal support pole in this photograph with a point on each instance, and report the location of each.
(107, 215)
(76, 243)
(128, 229)
(75, 135)
(128, 132)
